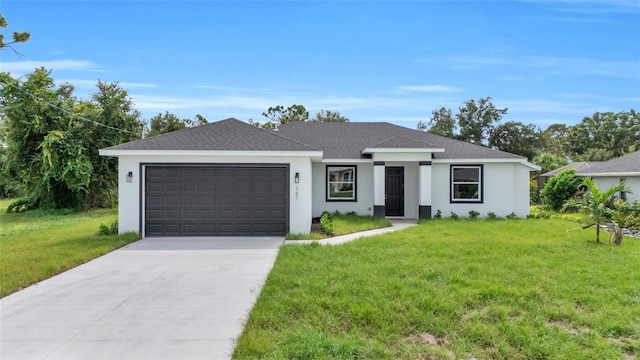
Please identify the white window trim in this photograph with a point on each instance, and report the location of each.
(480, 181)
(352, 179)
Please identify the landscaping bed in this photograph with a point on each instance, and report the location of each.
(336, 224)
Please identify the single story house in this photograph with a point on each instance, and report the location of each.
(608, 173)
(232, 178)
(576, 165)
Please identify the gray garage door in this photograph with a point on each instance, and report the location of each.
(216, 200)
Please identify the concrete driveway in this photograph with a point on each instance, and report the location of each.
(158, 298)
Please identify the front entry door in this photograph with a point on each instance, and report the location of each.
(394, 191)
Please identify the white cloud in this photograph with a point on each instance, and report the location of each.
(555, 65)
(429, 88)
(83, 83)
(28, 66)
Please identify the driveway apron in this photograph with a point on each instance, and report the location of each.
(158, 298)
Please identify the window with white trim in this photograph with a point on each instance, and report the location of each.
(466, 183)
(341, 183)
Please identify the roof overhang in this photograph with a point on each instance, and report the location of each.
(609, 174)
(402, 150)
(314, 155)
(486, 161)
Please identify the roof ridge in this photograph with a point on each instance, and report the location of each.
(270, 132)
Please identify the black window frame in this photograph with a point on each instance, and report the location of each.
(328, 183)
(480, 183)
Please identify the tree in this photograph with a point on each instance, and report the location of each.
(604, 136)
(476, 120)
(441, 123)
(516, 138)
(473, 123)
(53, 141)
(549, 161)
(280, 115)
(553, 140)
(167, 122)
(330, 116)
(16, 36)
(560, 188)
(595, 203)
(164, 123)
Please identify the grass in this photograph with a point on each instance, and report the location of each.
(489, 289)
(37, 245)
(345, 224)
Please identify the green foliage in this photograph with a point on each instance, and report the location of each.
(626, 214)
(330, 116)
(516, 138)
(534, 194)
(549, 161)
(559, 189)
(597, 204)
(454, 215)
(603, 136)
(511, 216)
(473, 214)
(491, 215)
(52, 141)
(476, 120)
(327, 223)
(16, 36)
(168, 122)
(109, 229)
(441, 123)
(438, 214)
(278, 115)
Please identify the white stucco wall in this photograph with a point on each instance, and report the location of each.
(129, 212)
(605, 182)
(506, 190)
(364, 190)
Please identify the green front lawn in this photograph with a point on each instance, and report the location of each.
(489, 289)
(37, 245)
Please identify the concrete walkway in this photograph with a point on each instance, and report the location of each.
(337, 240)
(158, 298)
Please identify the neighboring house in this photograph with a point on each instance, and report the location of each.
(232, 178)
(577, 166)
(625, 168)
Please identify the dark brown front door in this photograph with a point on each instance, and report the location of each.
(394, 191)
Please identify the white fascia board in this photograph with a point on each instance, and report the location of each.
(479, 160)
(609, 174)
(346, 161)
(402, 150)
(311, 154)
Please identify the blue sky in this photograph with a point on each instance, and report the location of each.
(548, 61)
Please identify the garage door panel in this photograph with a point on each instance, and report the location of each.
(216, 200)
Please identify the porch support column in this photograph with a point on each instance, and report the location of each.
(378, 189)
(424, 206)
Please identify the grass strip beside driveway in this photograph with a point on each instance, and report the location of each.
(36, 245)
(489, 289)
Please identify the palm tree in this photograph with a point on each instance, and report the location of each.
(594, 203)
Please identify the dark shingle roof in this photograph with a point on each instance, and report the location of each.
(336, 140)
(399, 142)
(577, 165)
(347, 140)
(628, 164)
(230, 134)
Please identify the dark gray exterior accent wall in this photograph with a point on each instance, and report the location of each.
(424, 212)
(378, 211)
